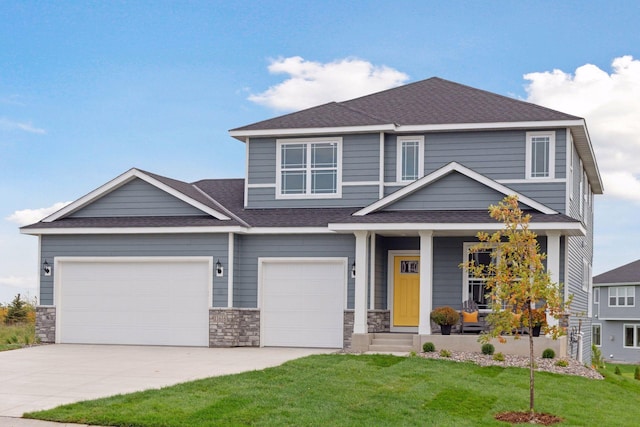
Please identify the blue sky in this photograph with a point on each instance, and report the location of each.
(91, 89)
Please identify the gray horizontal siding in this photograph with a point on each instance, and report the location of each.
(262, 161)
(250, 248)
(214, 246)
(352, 196)
(361, 158)
(452, 192)
(550, 194)
(137, 198)
(448, 253)
(612, 336)
(618, 312)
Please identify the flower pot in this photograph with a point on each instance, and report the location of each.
(536, 331)
(445, 329)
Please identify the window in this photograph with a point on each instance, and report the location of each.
(475, 287)
(622, 296)
(540, 162)
(596, 335)
(309, 168)
(570, 176)
(410, 158)
(632, 336)
(596, 296)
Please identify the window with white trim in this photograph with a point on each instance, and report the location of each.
(596, 296)
(475, 287)
(622, 296)
(571, 157)
(580, 198)
(410, 158)
(632, 336)
(309, 168)
(540, 153)
(596, 334)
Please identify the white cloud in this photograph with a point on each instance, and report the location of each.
(19, 281)
(611, 105)
(10, 125)
(314, 83)
(30, 216)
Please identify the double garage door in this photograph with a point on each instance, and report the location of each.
(154, 301)
(165, 301)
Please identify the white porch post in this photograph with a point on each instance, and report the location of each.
(553, 263)
(360, 304)
(426, 281)
(372, 272)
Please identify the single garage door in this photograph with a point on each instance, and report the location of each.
(155, 301)
(303, 302)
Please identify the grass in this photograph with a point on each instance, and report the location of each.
(16, 336)
(627, 370)
(345, 390)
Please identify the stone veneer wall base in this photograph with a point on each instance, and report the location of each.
(234, 327)
(46, 324)
(377, 321)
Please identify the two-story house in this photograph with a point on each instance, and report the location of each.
(353, 218)
(616, 313)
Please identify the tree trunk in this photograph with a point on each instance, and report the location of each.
(531, 366)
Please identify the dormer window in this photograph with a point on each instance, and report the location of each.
(410, 158)
(309, 168)
(540, 162)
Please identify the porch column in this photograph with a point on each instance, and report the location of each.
(426, 281)
(553, 262)
(372, 272)
(360, 304)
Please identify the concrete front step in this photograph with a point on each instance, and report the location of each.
(390, 348)
(391, 342)
(384, 341)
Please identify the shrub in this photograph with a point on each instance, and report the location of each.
(428, 347)
(548, 353)
(617, 371)
(596, 357)
(445, 353)
(445, 316)
(412, 353)
(16, 311)
(499, 357)
(488, 349)
(636, 373)
(562, 363)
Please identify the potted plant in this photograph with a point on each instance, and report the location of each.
(445, 317)
(539, 319)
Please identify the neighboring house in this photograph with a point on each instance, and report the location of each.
(353, 218)
(616, 313)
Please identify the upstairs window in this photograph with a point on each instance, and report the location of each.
(410, 158)
(309, 168)
(540, 153)
(622, 296)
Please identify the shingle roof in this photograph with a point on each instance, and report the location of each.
(629, 273)
(426, 102)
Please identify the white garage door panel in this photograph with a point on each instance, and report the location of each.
(163, 302)
(303, 303)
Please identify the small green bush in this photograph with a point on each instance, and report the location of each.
(617, 371)
(445, 353)
(636, 373)
(498, 357)
(548, 353)
(412, 353)
(596, 357)
(488, 349)
(562, 363)
(428, 347)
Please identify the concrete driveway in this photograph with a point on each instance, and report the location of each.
(50, 375)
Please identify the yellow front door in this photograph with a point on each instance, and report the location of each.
(406, 290)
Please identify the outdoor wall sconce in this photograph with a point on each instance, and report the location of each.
(219, 269)
(353, 270)
(46, 267)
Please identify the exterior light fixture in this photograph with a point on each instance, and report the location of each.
(353, 270)
(219, 269)
(46, 267)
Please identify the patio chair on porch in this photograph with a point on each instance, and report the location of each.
(470, 319)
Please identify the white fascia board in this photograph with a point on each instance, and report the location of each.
(616, 284)
(132, 230)
(445, 170)
(573, 229)
(120, 181)
(582, 142)
(289, 230)
(485, 126)
(243, 134)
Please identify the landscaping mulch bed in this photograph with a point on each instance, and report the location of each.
(525, 418)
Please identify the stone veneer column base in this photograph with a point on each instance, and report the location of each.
(234, 327)
(377, 321)
(46, 324)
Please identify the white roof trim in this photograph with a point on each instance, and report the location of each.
(120, 181)
(132, 230)
(614, 284)
(443, 171)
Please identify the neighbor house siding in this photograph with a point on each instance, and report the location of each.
(250, 248)
(607, 312)
(212, 245)
(137, 198)
(612, 336)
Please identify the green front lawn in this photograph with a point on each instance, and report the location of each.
(364, 390)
